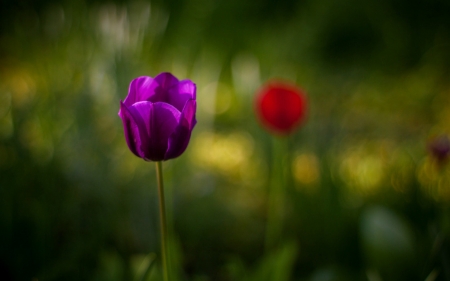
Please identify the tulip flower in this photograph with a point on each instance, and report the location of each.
(281, 107)
(158, 116)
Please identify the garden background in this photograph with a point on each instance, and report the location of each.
(367, 200)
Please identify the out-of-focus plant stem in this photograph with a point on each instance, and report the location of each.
(275, 196)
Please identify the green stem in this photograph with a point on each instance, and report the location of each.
(275, 196)
(163, 223)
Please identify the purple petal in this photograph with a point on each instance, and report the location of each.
(166, 83)
(141, 89)
(134, 129)
(163, 88)
(186, 90)
(157, 121)
(174, 92)
(148, 127)
(189, 113)
(187, 87)
(166, 80)
(164, 121)
(179, 140)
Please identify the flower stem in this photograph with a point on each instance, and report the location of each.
(275, 196)
(163, 223)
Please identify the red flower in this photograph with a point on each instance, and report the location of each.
(281, 107)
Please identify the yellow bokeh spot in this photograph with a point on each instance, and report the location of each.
(23, 88)
(305, 168)
(232, 157)
(363, 169)
(228, 154)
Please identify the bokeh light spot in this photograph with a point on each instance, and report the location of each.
(305, 168)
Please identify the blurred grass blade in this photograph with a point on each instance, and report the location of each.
(146, 267)
(433, 275)
(277, 265)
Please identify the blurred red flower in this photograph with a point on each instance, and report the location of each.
(281, 107)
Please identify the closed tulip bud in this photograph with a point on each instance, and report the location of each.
(158, 116)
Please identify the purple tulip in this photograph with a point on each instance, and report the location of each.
(158, 116)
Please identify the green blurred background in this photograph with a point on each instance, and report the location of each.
(365, 198)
